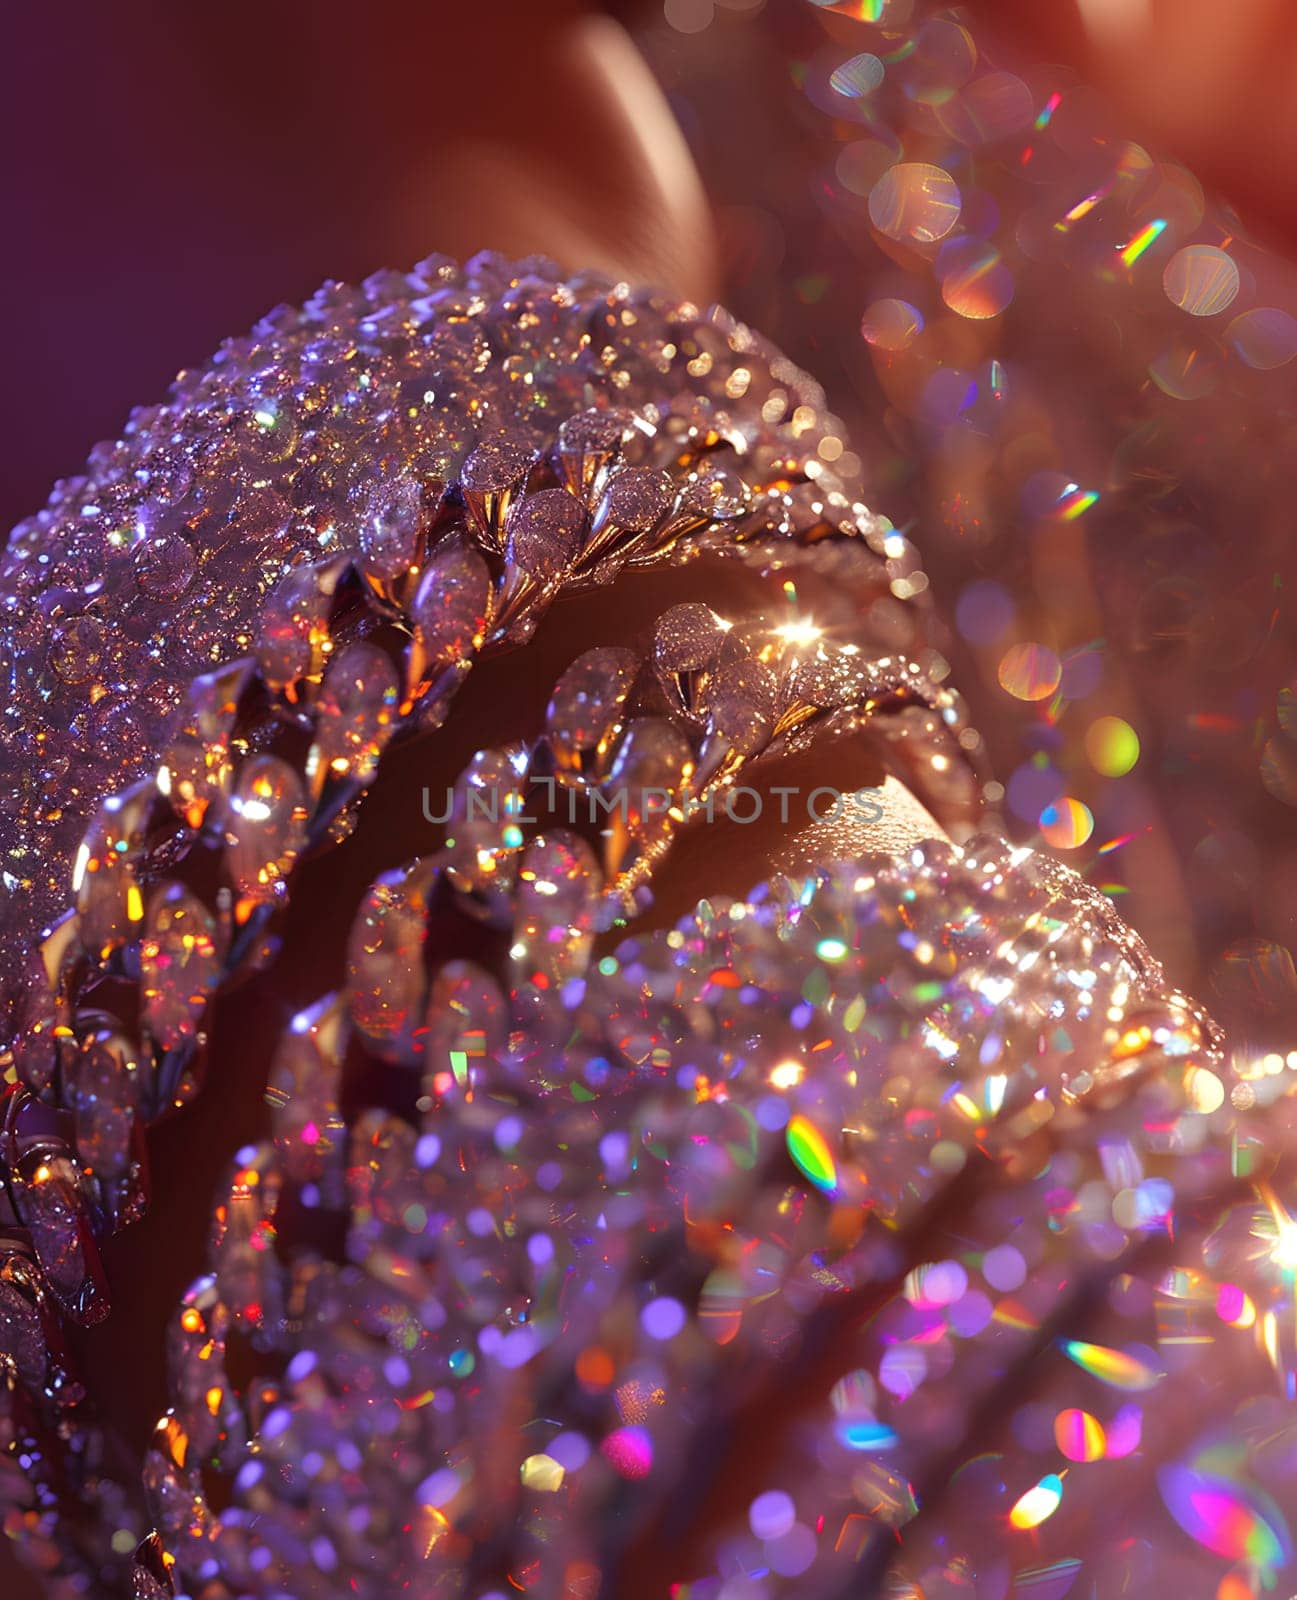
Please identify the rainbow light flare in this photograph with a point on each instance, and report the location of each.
(810, 1150)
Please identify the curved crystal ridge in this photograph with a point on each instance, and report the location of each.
(341, 429)
(864, 1101)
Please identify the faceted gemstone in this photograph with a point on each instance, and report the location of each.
(392, 528)
(491, 478)
(151, 1577)
(585, 708)
(741, 702)
(247, 1270)
(265, 827)
(452, 606)
(484, 835)
(387, 983)
(180, 964)
(109, 905)
(544, 534)
(354, 717)
(589, 444)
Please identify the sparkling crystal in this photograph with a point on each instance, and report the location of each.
(392, 528)
(386, 979)
(303, 1093)
(180, 964)
(466, 1026)
(688, 644)
(646, 779)
(452, 606)
(197, 765)
(50, 1192)
(491, 478)
(585, 708)
(106, 1087)
(589, 444)
(265, 827)
(354, 717)
(631, 507)
(110, 906)
(558, 890)
(295, 628)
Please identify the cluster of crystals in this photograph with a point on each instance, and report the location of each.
(344, 430)
(882, 1205)
(1088, 405)
(180, 878)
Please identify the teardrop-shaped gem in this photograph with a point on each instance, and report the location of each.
(484, 834)
(688, 644)
(559, 883)
(630, 509)
(53, 1203)
(544, 535)
(198, 764)
(42, 1043)
(542, 540)
(740, 707)
(451, 608)
(294, 631)
(151, 1577)
(392, 528)
(354, 717)
(589, 445)
(22, 1337)
(303, 1091)
(467, 1026)
(387, 982)
(109, 905)
(585, 708)
(265, 828)
(248, 1272)
(180, 964)
(647, 778)
(105, 1091)
(491, 478)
